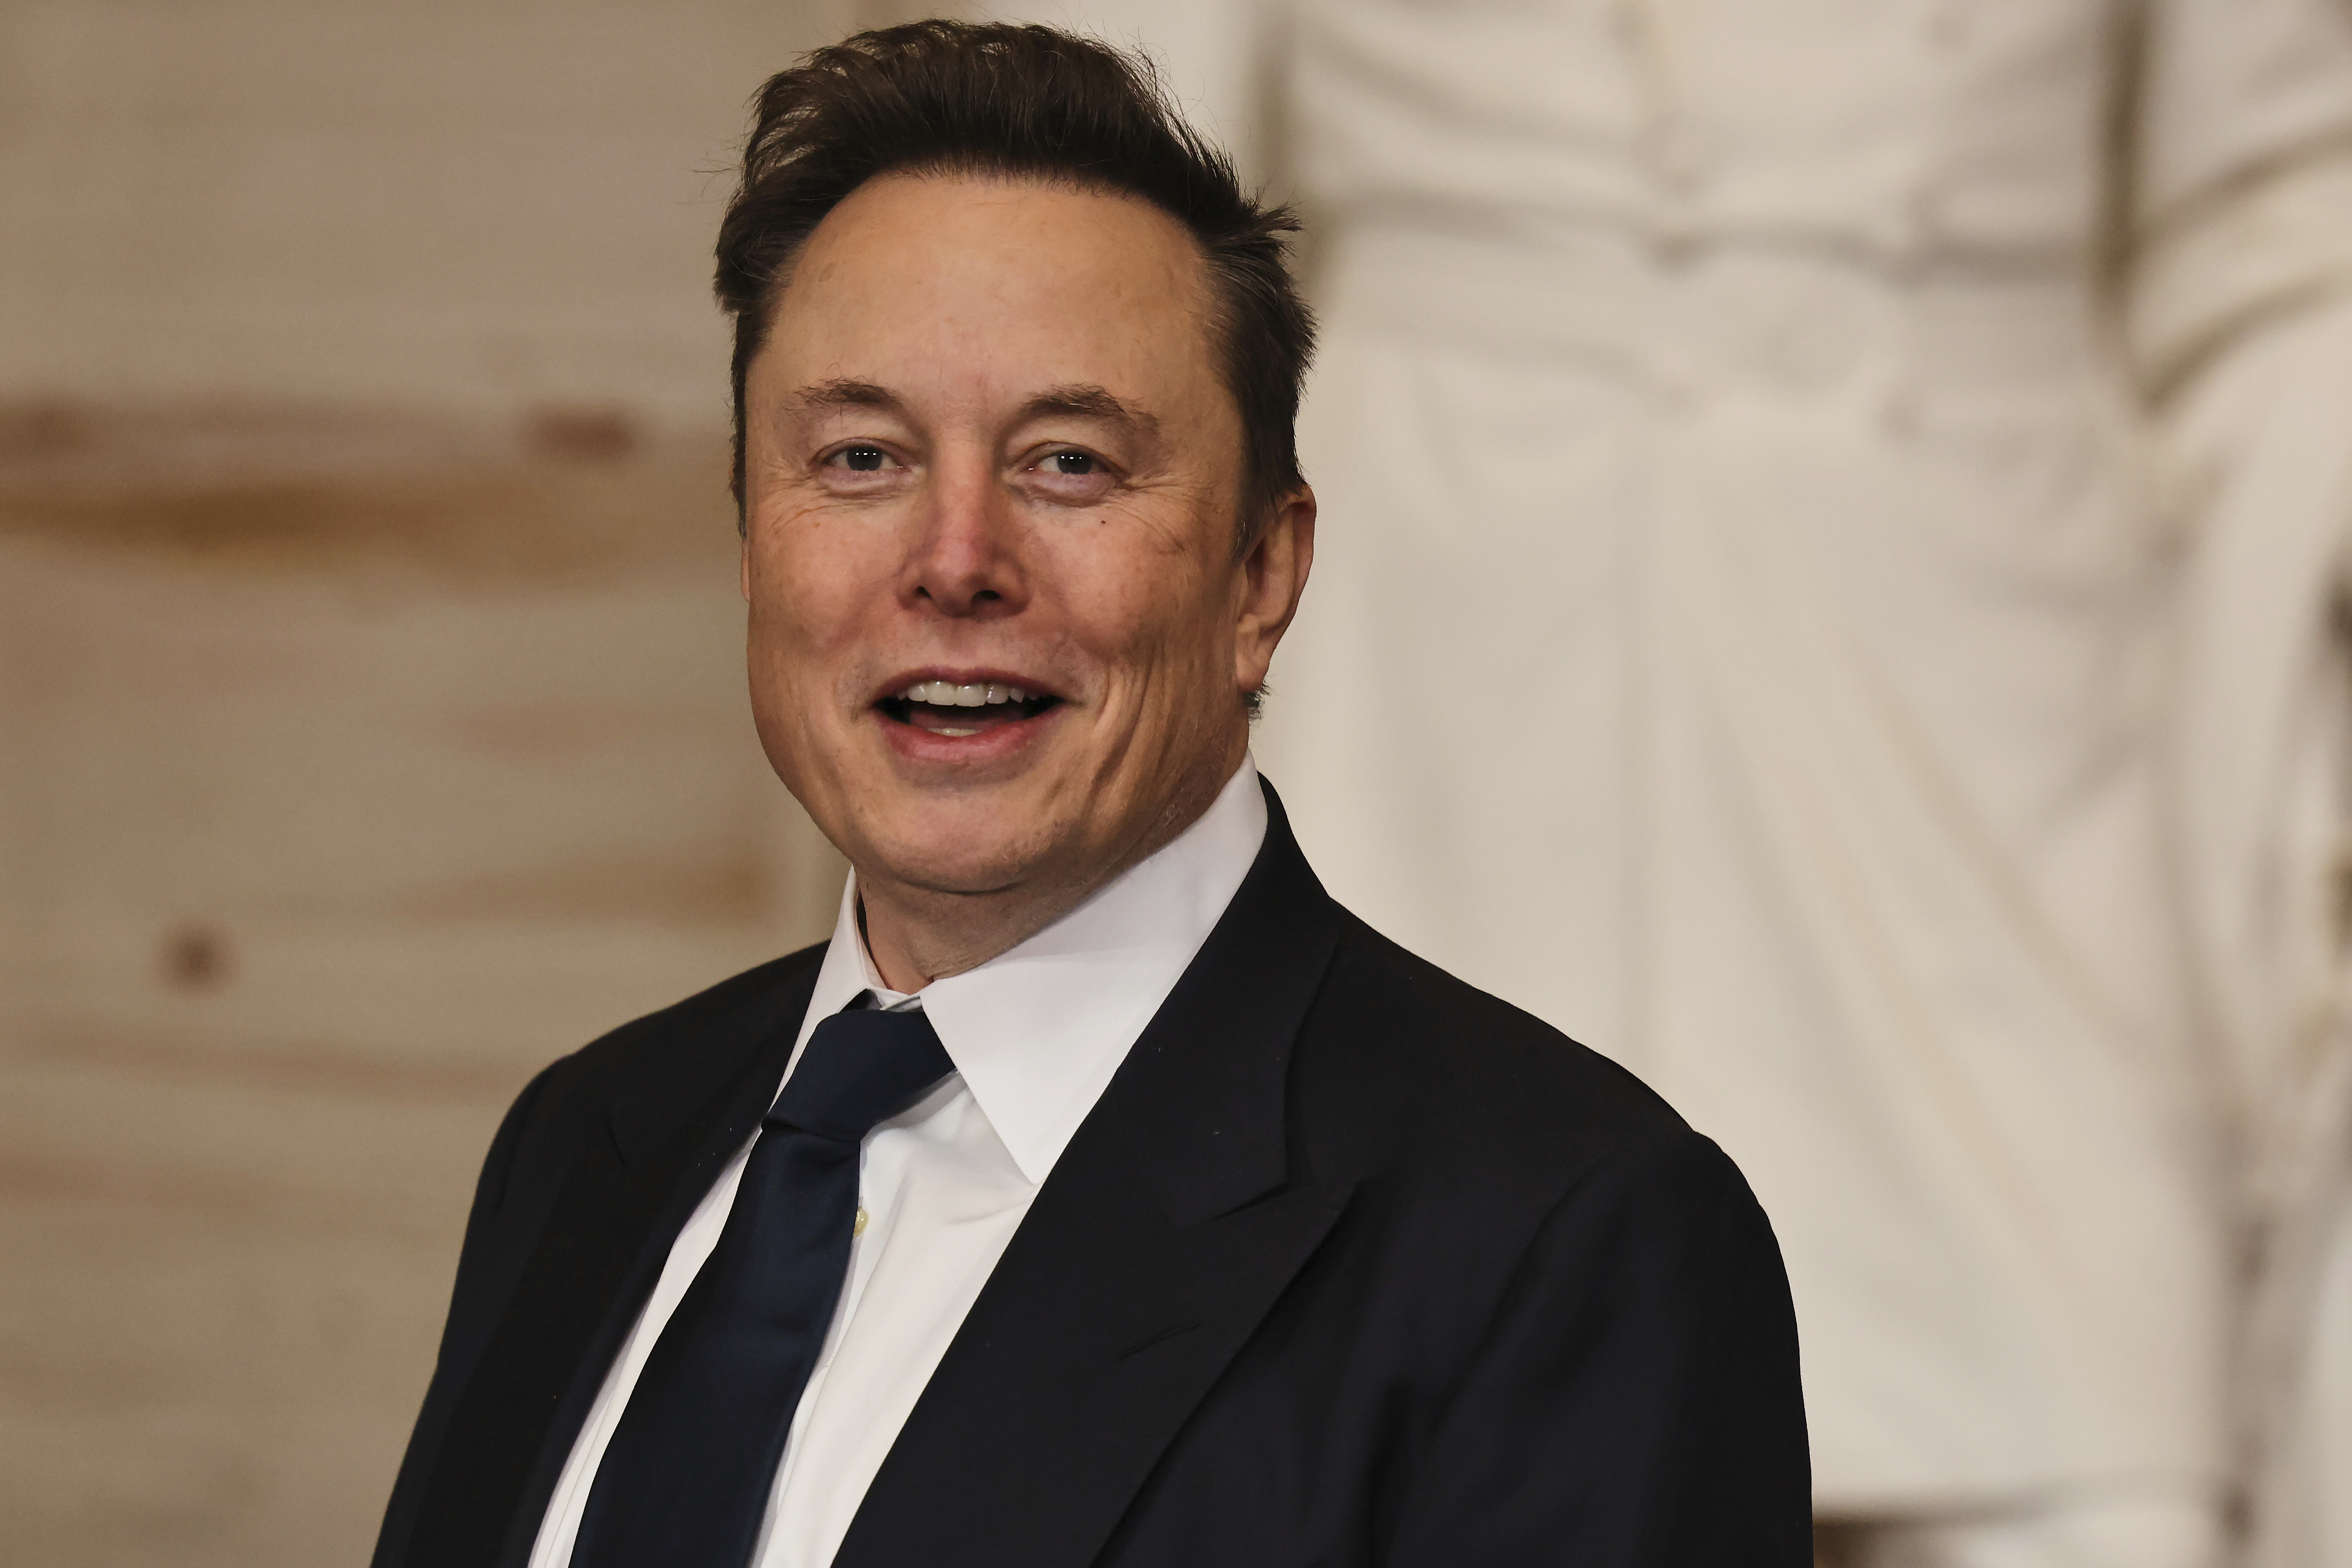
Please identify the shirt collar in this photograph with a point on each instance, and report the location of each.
(1038, 1031)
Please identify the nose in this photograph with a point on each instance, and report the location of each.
(966, 560)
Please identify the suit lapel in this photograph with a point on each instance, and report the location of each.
(1166, 1231)
(645, 1159)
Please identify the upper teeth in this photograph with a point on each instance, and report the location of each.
(948, 694)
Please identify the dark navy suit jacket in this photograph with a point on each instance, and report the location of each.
(1353, 1264)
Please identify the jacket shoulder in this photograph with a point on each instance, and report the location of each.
(1407, 1064)
(751, 1002)
(656, 1067)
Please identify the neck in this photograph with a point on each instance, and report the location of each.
(917, 934)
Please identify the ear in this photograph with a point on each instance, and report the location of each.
(1269, 581)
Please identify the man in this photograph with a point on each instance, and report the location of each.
(1126, 1200)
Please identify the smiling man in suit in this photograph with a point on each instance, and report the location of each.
(1126, 1201)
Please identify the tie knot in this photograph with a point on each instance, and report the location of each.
(860, 1068)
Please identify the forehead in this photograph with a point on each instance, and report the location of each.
(977, 284)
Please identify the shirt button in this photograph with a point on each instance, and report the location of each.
(857, 1225)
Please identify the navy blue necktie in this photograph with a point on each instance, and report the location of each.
(684, 1481)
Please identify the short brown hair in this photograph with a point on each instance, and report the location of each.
(963, 97)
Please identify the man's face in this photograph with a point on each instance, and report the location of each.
(999, 638)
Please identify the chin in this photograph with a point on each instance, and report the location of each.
(950, 842)
(955, 865)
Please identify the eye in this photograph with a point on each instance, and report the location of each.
(861, 467)
(1067, 476)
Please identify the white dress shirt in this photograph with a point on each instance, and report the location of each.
(1035, 1034)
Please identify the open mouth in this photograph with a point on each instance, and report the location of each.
(945, 709)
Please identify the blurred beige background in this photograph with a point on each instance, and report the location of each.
(371, 714)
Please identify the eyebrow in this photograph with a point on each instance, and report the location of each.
(1088, 400)
(1083, 400)
(825, 396)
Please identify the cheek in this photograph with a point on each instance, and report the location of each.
(1151, 623)
(804, 602)
(777, 606)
